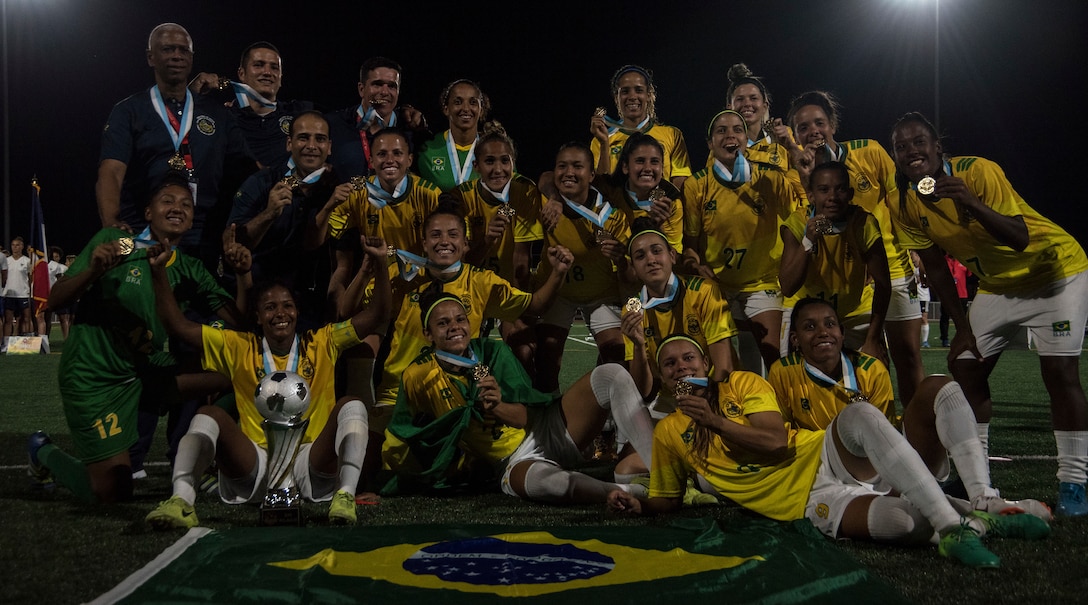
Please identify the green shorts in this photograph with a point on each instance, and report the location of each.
(102, 421)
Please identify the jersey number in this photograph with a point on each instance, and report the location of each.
(576, 273)
(111, 420)
(731, 253)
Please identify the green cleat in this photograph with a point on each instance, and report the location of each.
(1024, 526)
(174, 513)
(962, 544)
(342, 509)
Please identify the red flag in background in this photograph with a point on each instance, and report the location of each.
(39, 251)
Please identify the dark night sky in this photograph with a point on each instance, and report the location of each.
(1009, 71)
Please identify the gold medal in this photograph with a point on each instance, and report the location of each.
(824, 226)
(223, 83)
(856, 397)
(927, 185)
(358, 183)
(292, 182)
(657, 193)
(176, 162)
(603, 236)
(126, 245)
(634, 305)
(683, 387)
(391, 251)
(507, 210)
(480, 371)
(600, 112)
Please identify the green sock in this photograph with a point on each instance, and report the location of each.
(67, 471)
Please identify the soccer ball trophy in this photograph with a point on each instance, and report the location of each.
(282, 398)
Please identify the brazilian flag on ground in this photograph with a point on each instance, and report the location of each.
(751, 562)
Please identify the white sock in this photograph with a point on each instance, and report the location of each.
(894, 519)
(352, 435)
(547, 482)
(925, 330)
(615, 390)
(957, 432)
(865, 432)
(1072, 456)
(983, 430)
(196, 450)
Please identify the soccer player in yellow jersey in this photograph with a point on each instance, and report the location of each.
(814, 117)
(832, 254)
(451, 413)
(502, 209)
(732, 215)
(484, 294)
(635, 96)
(1031, 274)
(594, 232)
(329, 464)
(816, 383)
(732, 436)
(748, 96)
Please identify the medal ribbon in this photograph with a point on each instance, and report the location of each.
(600, 213)
(179, 131)
(411, 265)
(310, 179)
(380, 198)
(615, 125)
(699, 382)
(244, 92)
(270, 363)
(849, 377)
(503, 196)
(453, 359)
(670, 293)
(643, 205)
(144, 240)
(741, 173)
(460, 173)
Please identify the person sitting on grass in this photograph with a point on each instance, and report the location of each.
(821, 379)
(732, 436)
(117, 357)
(447, 406)
(330, 460)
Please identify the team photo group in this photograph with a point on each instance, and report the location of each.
(346, 306)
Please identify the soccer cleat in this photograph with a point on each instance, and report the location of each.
(342, 508)
(925, 344)
(1071, 500)
(694, 497)
(962, 544)
(1024, 526)
(944, 343)
(39, 475)
(996, 505)
(174, 513)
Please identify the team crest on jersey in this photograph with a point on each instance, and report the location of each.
(439, 164)
(649, 332)
(414, 297)
(372, 218)
(732, 410)
(822, 510)
(711, 205)
(925, 223)
(306, 368)
(205, 125)
(805, 405)
(1062, 328)
(285, 124)
(693, 324)
(134, 275)
(863, 183)
(466, 302)
(689, 434)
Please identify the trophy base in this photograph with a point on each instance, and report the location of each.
(281, 507)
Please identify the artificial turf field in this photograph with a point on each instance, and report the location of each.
(54, 549)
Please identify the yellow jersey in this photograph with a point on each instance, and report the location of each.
(480, 207)
(675, 162)
(400, 222)
(809, 404)
(620, 197)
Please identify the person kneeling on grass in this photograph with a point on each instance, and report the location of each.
(330, 460)
(118, 358)
(447, 406)
(732, 435)
(821, 379)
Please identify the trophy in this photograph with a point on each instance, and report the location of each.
(282, 397)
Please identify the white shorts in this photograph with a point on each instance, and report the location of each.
(1055, 315)
(312, 487)
(546, 440)
(903, 305)
(601, 314)
(854, 329)
(746, 305)
(834, 489)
